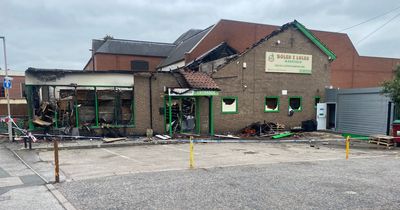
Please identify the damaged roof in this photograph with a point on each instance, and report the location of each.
(220, 51)
(331, 55)
(132, 47)
(178, 52)
(199, 80)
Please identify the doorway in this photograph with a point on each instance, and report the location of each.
(184, 115)
(331, 116)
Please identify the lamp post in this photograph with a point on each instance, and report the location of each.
(7, 91)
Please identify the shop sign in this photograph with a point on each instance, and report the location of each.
(288, 63)
(189, 92)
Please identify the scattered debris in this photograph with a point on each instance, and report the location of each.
(387, 141)
(109, 140)
(262, 129)
(229, 136)
(163, 137)
(282, 135)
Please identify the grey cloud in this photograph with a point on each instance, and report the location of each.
(57, 34)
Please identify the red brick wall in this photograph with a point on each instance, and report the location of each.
(15, 91)
(349, 70)
(122, 62)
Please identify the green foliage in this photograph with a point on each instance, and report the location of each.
(392, 88)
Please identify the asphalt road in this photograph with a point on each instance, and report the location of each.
(362, 183)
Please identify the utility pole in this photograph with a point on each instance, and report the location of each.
(7, 91)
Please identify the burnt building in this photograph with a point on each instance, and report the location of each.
(277, 78)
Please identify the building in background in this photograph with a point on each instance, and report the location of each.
(349, 70)
(17, 95)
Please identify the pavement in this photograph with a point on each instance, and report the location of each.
(235, 175)
(20, 187)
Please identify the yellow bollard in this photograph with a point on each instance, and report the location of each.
(191, 157)
(347, 147)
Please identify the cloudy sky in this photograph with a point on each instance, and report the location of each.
(57, 34)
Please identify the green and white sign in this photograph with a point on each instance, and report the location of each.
(189, 92)
(288, 63)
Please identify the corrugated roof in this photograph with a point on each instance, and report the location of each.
(133, 47)
(199, 80)
(178, 53)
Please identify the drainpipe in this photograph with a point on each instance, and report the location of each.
(151, 100)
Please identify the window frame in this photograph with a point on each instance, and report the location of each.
(301, 103)
(230, 97)
(265, 104)
(2, 90)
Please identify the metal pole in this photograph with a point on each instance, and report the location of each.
(8, 91)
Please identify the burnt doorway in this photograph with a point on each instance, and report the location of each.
(184, 115)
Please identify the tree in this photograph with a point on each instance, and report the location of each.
(392, 88)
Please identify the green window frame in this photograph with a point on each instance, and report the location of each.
(277, 103)
(236, 105)
(317, 99)
(301, 103)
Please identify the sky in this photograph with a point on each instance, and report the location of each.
(58, 34)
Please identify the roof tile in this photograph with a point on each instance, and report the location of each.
(199, 80)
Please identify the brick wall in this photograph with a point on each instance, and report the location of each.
(142, 100)
(16, 90)
(349, 70)
(121, 62)
(260, 84)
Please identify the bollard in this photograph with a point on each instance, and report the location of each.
(347, 147)
(57, 168)
(191, 156)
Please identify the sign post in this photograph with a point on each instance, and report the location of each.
(7, 92)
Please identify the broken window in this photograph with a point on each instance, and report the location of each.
(271, 104)
(229, 105)
(86, 105)
(125, 108)
(106, 101)
(295, 103)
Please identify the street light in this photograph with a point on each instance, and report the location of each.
(7, 91)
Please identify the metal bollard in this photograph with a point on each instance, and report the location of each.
(191, 155)
(347, 147)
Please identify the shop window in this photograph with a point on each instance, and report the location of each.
(317, 100)
(271, 104)
(295, 103)
(229, 105)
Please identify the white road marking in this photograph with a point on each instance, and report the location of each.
(123, 156)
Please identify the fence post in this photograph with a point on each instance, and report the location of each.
(57, 168)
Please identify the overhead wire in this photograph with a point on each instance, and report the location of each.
(371, 19)
(377, 29)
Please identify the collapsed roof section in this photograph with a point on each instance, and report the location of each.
(220, 51)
